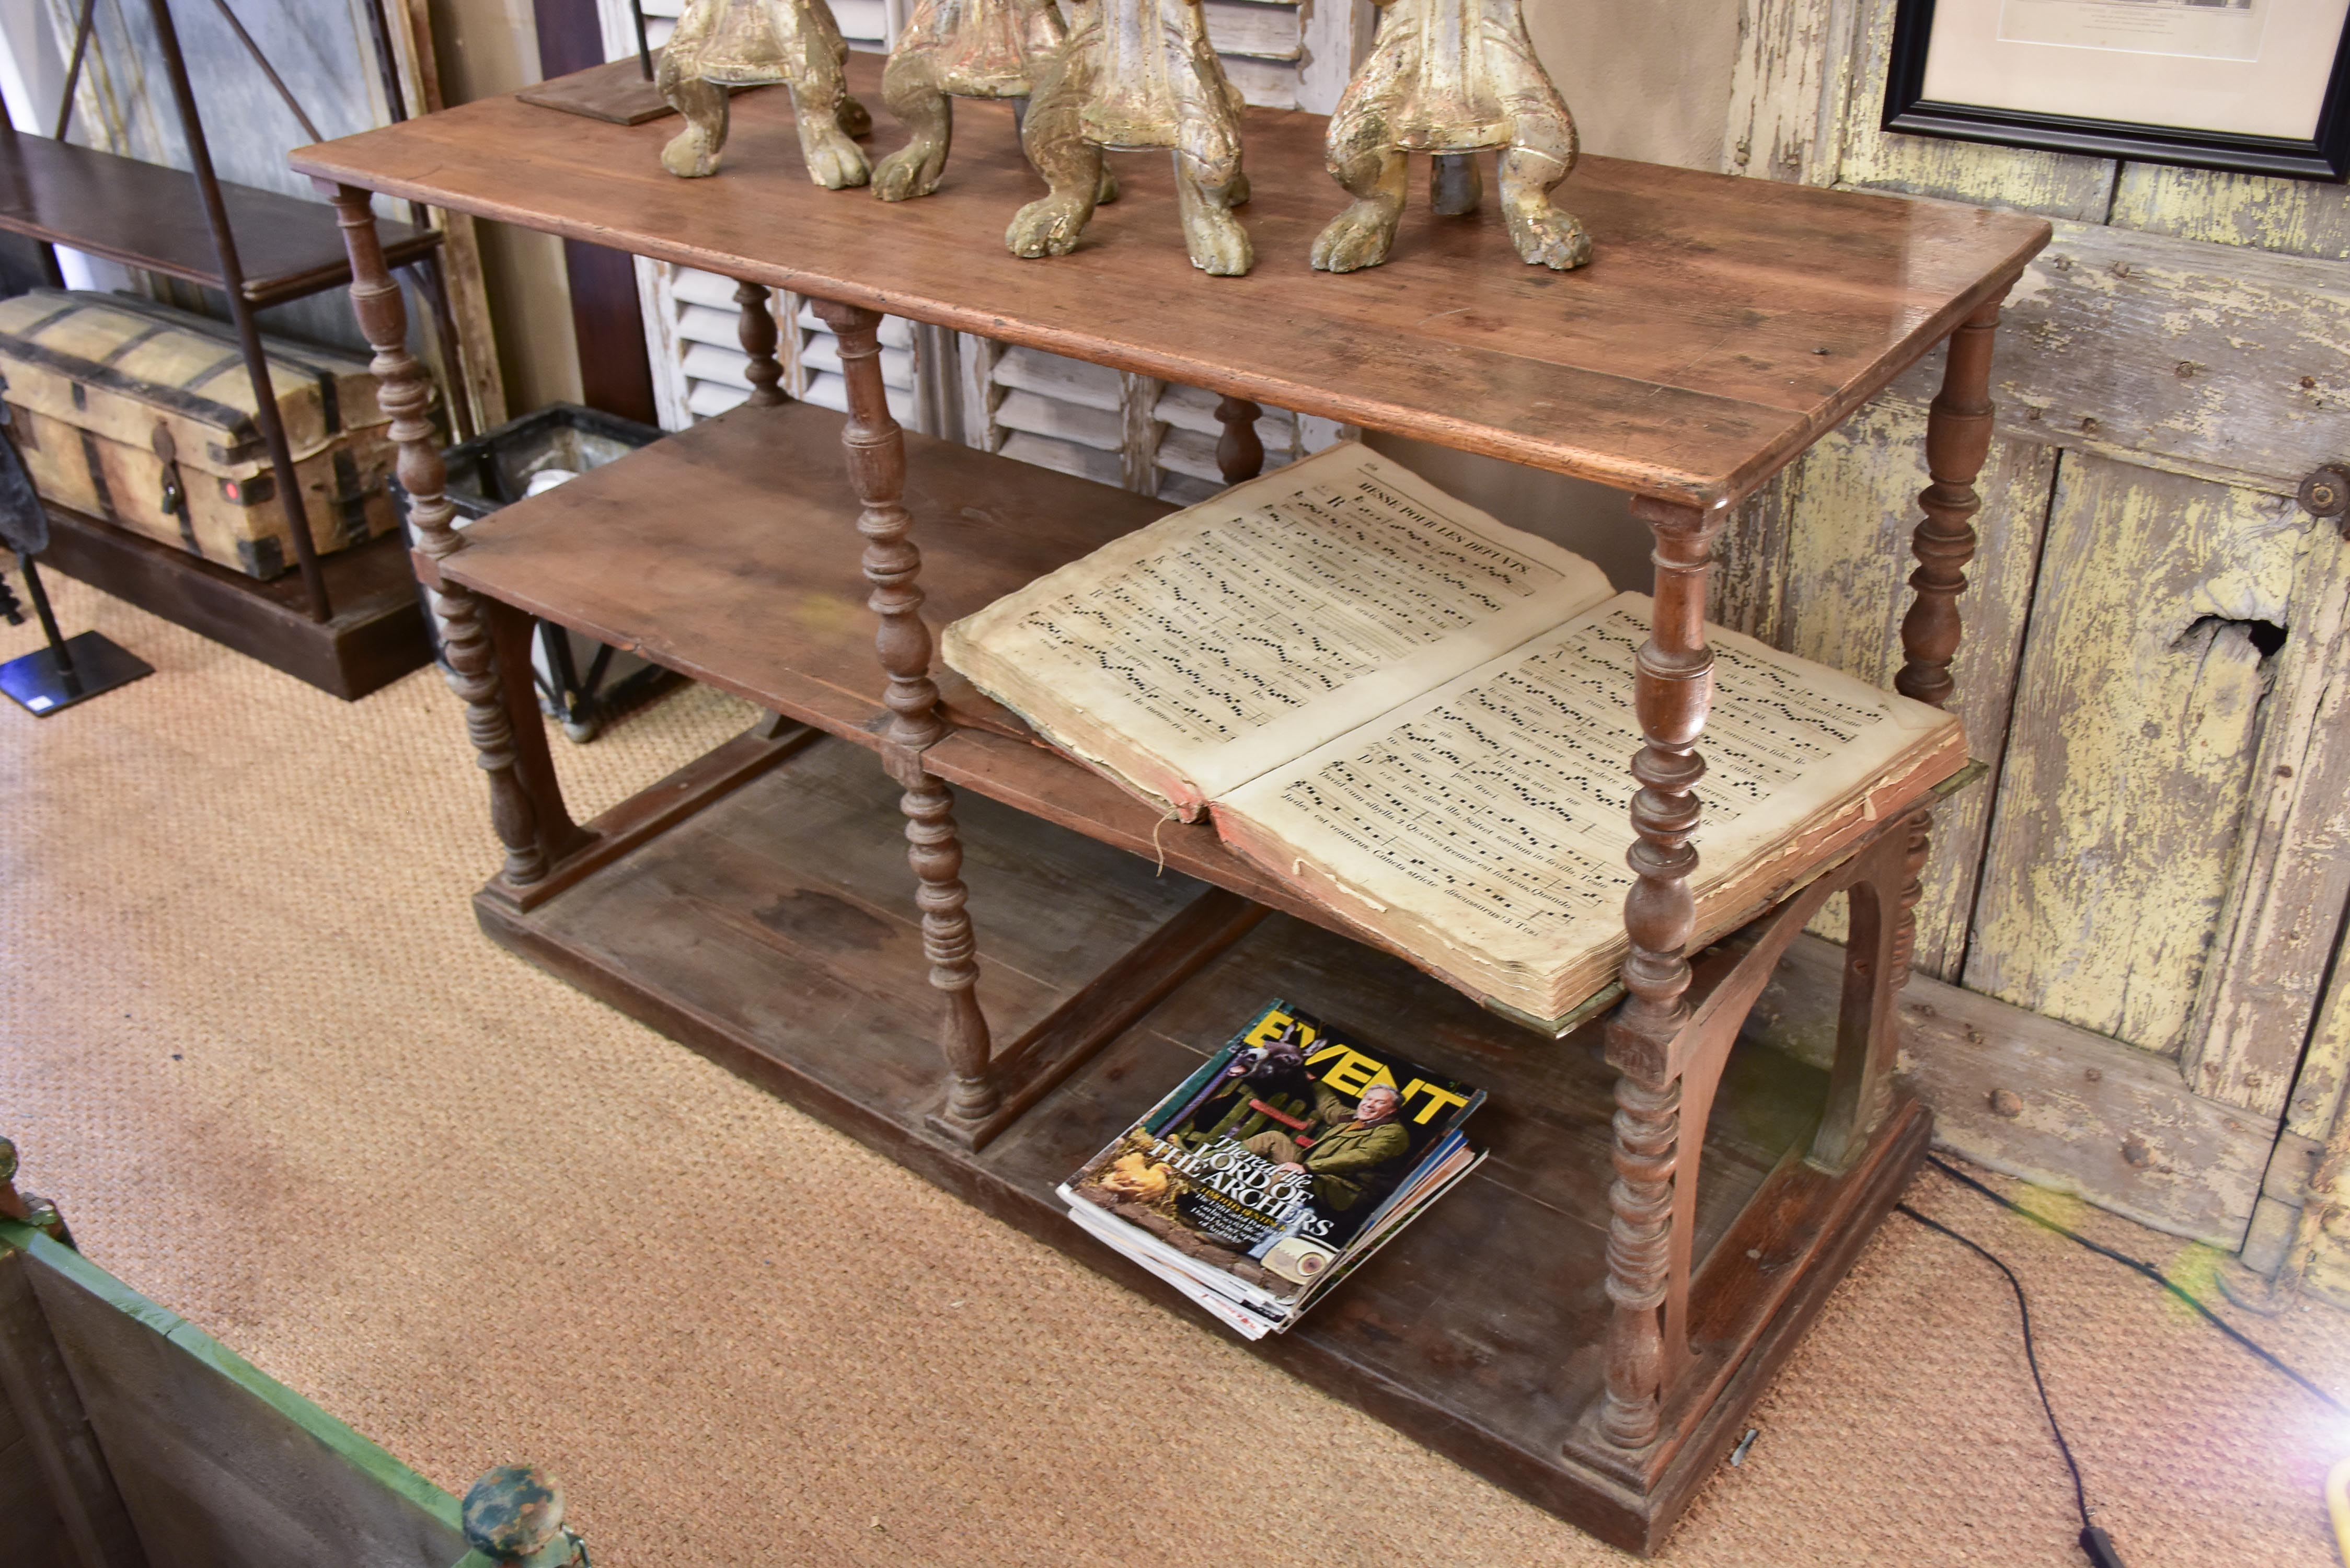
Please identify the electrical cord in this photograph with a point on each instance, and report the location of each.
(2151, 1272)
(2095, 1542)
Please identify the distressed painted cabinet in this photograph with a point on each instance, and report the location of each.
(2135, 925)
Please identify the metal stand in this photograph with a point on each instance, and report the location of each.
(317, 606)
(70, 670)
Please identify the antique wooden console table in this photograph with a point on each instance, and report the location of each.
(1589, 1321)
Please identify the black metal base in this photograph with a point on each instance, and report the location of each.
(99, 665)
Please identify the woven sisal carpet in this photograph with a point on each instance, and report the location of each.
(251, 1040)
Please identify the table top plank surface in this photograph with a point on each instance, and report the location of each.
(146, 216)
(1724, 325)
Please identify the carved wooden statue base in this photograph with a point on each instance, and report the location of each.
(724, 43)
(1110, 86)
(961, 48)
(1452, 78)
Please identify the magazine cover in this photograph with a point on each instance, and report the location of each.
(1282, 1148)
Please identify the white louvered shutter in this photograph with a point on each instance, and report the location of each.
(1152, 437)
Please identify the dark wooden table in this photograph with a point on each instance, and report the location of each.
(1587, 1322)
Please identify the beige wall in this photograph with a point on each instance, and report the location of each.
(1646, 79)
(485, 47)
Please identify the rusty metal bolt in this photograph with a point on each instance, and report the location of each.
(2006, 1103)
(513, 1513)
(2134, 1151)
(2326, 493)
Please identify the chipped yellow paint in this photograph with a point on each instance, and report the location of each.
(1787, 90)
(2297, 217)
(2055, 184)
(2164, 858)
(1851, 510)
(2130, 753)
(2282, 919)
(2319, 1258)
(2318, 1096)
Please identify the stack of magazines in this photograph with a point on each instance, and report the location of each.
(1270, 1174)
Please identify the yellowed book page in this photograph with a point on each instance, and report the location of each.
(1234, 636)
(1485, 825)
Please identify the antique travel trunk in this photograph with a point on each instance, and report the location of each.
(143, 415)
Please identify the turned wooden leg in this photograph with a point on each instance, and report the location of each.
(521, 776)
(756, 329)
(1958, 438)
(1239, 453)
(1884, 936)
(877, 466)
(1674, 687)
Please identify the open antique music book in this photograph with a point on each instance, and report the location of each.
(1423, 719)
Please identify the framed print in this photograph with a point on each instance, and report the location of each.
(2258, 86)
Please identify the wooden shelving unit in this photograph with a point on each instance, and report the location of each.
(148, 217)
(1587, 1322)
(346, 625)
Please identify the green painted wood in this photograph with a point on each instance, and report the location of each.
(219, 1463)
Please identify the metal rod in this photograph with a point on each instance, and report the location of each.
(40, 598)
(431, 276)
(433, 282)
(644, 49)
(267, 70)
(387, 64)
(240, 309)
(73, 67)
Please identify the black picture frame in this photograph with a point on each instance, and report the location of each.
(2323, 156)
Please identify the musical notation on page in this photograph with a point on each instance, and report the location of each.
(1242, 621)
(1508, 796)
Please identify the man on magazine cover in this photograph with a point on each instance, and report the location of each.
(1266, 1089)
(1344, 1161)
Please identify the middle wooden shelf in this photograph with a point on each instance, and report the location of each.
(727, 552)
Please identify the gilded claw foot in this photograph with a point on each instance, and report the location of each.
(1357, 237)
(1218, 245)
(1546, 236)
(912, 170)
(1047, 227)
(834, 161)
(692, 153)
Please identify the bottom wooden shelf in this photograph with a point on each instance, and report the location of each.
(375, 636)
(774, 931)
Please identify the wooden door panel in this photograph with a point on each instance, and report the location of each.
(1833, 560)
(2130, 756)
